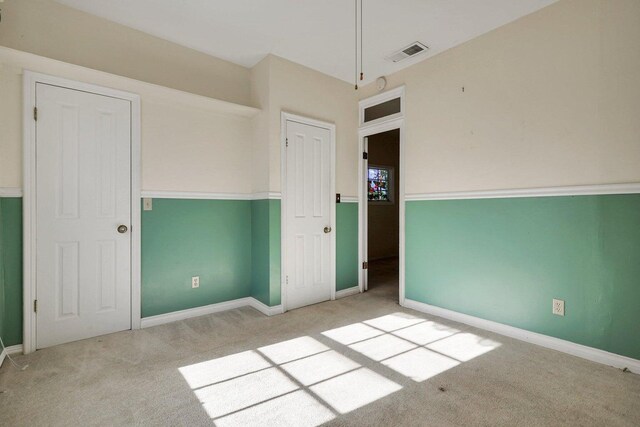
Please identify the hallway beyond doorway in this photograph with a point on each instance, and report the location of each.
(383, 278)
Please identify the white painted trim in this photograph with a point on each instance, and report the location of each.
(379, 99)
(10, 192)
(575, 190)
(175, 316)
(161, 194)
(30, 79)
(348, 199)
(195, 195)
(331, 127)
(10, 351)
(579, 350)
(14, 349)
(348, 292)
(363, 133)
(265, 309)
(271, 195)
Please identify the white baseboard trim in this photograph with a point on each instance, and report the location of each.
(347, 292)
(14, 349)
(11, 350)
(583, 351)
(265, 309)
(175, 316)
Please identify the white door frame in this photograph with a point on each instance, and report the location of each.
(395, 121)
(285, 117)
(29, 214)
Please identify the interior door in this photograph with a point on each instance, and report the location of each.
(83, 199)
(309, 241)
(365, 216)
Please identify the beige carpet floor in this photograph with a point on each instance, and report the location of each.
(362, 361)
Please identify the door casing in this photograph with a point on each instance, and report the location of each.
(29, 214)
(395, 121)
(286, 117)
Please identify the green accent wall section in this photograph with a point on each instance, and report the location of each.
(346, 245)
(506, 259)
(233, 245)
(2, 285)
(265, 251)
(11, 259)
(184, 238)
(275, 245)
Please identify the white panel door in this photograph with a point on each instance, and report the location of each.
(83, 188)
(308, 241)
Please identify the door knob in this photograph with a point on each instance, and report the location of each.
(327, 229)
(122, 229)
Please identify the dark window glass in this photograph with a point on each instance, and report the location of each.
(382, 110)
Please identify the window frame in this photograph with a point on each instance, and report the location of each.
(390, 185)
(381, 99)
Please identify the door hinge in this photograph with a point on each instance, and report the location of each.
(35, 305)
(365, 155)
(35, 113)
(365, 265)
(287, 280)
(286, 142)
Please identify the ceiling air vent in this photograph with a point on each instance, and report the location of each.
(407, 52)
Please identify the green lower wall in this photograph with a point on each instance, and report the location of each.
(233, 245)
(265, 251)
(2, 284)
(506, 259)
(11, 259)
(346, 245)
(184, 238)
(498, 259)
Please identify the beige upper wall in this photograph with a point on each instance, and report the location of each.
(296, 89)
(260, 158)
(552, 99)
(549, 100)
(189, 143)
(49, 29)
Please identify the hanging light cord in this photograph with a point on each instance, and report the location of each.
(361, 38)
(355, 32)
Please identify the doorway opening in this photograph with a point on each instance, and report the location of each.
(383, 212)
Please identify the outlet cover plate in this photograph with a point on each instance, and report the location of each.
(195, 282)
(558, 307)
(147, 203)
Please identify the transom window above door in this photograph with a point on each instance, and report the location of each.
(380, 184)
(382, 108)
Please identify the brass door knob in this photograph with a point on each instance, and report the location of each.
(122, 229)
(327, 229)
